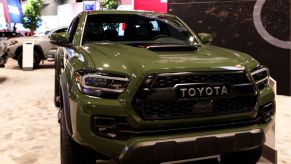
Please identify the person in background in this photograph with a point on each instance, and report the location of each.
(14, 27)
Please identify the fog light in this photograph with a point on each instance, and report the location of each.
(267, 112)
(105, 126)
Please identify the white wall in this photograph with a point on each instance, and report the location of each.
(67, 12)
(2, 18)
(49, 22)
(126, 5)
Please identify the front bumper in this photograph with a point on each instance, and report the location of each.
(168, 146)
(162, 146)
(192, 147)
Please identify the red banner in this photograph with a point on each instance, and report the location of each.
(5, 10)
(151, 5)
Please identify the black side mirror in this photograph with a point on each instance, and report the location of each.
(60, 39)
(205, 38)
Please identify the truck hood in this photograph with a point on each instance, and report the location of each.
(130, 59)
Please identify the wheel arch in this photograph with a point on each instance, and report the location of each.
(65, 105)
(17, 52)
(57, 91)
(36, 48)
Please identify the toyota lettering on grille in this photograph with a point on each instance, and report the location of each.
(202, 90)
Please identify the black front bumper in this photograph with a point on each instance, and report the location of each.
(192, 147)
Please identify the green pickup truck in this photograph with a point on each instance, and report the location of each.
(141, 87)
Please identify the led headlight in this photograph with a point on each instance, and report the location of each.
(101, 84)
(261, 76)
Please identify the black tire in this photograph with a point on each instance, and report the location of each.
(57, 88)
(243, 157)
(71, 152)
(36, 60)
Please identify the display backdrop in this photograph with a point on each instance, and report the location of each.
(11, 10)
(260, 28)
(14, 10)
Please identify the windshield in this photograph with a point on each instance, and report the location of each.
(160, 29)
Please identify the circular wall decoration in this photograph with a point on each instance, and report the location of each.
(261, 29)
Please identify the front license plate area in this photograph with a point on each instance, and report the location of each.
(202, 107)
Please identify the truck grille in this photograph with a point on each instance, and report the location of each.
(156, 99)
(171, 80)
(171, 109)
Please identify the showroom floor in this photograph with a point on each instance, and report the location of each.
(29, 132)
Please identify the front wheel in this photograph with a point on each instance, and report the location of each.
(57, 94)
(71, 152)
(36, 60)
(243, 157)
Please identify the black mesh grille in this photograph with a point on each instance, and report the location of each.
(176, 109)
(156, 98)
(170, 81)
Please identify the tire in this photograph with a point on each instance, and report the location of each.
(243, 157)
(71, 152)
(57, 88)
(36, 60)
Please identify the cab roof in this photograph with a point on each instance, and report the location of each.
(135, 12)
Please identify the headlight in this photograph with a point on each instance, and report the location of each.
(101, 84)
(12, 42)
(261, 76)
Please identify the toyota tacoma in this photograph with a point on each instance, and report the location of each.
(142, 87)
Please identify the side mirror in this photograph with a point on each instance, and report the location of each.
(205, 38)
(60, 39)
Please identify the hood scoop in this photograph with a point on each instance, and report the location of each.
(172, 48)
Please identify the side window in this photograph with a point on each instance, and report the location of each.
(61, 30)
(155, 26)
(96, 31)
(72, 29)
